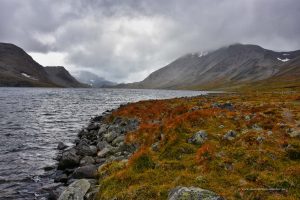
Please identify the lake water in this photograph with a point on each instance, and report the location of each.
(34, 120)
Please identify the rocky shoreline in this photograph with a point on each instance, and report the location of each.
(100, 142)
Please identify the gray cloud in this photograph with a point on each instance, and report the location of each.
(125, 40)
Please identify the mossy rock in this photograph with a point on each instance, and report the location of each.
(192, 193)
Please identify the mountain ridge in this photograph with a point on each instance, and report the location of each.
(230, 65)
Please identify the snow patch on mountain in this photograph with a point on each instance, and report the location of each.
(28, 76)
(283, 60)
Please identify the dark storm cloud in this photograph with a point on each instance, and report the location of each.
(125, 40)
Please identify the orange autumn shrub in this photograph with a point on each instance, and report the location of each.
(204, 153)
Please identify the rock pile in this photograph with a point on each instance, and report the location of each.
(100, 142)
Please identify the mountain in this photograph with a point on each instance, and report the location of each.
(17, 68)
(232, 65)
(92, 79)
(60, 76)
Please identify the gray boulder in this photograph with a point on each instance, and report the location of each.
(101, 145)
(192, 193)
(87, 160)
(93, 126)
(88, 171)
(60, 176)
(230, 135)
(103, 128)
(61, 146)
(69, 159)
(76, 190)
(84, 149)
(198, 138)
(104, 152)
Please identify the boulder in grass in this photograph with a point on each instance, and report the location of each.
(230, 135)
(198, 138)
(192, 193)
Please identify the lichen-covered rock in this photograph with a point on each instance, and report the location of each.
(192, 193)
(198, 138)
(110, 136)
(76, 190)
(118, 140)
(293, 133)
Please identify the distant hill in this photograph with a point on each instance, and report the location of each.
(18, 69)
(92, 79)
(60, 76)
(228, 66)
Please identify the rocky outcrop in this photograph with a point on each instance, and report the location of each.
(101, 141)
(192, 193)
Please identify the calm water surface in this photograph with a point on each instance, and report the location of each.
(34, 120)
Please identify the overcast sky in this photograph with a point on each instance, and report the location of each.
(125, 40)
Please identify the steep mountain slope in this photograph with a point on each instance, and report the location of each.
(92, 79)
(288, 77)
(235, 64)
(17, 68)
(60, 76)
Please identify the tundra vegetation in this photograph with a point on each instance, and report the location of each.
(241, 146)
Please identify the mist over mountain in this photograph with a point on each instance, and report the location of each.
(227, 66)
(92, 79)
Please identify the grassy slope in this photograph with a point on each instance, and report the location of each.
(226, 167)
